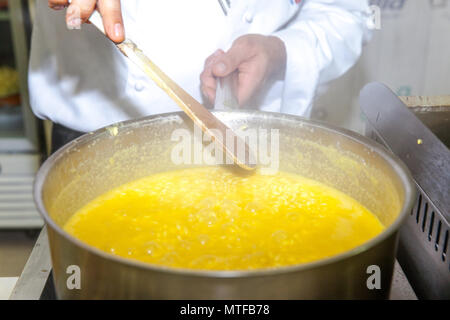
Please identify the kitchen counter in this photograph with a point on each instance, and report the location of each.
(6, 287)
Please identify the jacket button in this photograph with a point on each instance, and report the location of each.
(248, 17)
(139, 86)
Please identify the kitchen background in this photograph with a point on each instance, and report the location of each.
(410, 53)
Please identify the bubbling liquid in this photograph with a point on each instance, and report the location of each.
(212, 219)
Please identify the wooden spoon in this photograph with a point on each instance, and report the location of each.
(233, 146)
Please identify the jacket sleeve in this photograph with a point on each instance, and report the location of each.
(322, 41)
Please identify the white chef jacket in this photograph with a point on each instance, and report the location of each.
(80, 80)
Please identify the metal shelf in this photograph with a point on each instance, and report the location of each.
(19, 139)
(17, 208)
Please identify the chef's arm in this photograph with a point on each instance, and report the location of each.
(79, 11)
(322, 42)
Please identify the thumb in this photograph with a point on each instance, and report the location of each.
(228, 62)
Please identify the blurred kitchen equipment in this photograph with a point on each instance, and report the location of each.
(425, 236)
(357, 166)
(11, 118)
(202, 117)
(434, 112)
(20, 133)
(9, 87)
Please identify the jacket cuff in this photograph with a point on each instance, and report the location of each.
(302, 71)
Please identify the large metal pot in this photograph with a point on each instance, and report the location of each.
(100, 161)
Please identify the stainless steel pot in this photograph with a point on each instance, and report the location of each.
(100, 161)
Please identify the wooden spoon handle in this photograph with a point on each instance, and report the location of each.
(426, 101)
(233, 145)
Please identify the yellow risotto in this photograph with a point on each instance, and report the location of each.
(212, 219)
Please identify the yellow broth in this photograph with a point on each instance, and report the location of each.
(212, 219)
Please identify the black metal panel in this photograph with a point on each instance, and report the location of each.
(424, 239)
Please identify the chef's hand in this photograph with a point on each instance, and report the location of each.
(257, 60)
(79, 11)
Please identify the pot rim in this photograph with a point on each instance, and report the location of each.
(397, 165)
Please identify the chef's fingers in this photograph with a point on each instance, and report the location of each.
(58, 4)
(251, 78)
(208, 84)
(79, 12)
(111, 12)
(208, 81)
(212, 58)
(210, 94)
(230, 61)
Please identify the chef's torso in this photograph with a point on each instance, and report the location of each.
(80, 80)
